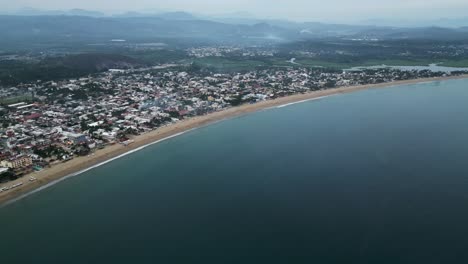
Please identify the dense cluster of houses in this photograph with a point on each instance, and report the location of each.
(223, 51)
(74, 117)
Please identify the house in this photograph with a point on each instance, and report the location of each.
(76, 138)
(17, 162)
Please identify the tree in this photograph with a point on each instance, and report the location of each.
(237, 100)
(83, 125)
(8, 176)
(174, 114)
(92, 117)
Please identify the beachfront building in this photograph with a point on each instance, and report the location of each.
(75, 137)
(72, 116)
(17, 162)
(3, 170)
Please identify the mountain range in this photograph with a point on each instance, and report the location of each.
(237, 17)
(88, 27)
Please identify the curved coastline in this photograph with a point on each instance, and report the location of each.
(63, 171)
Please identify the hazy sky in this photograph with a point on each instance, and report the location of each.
(312, 10)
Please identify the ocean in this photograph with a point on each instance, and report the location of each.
(376, 176)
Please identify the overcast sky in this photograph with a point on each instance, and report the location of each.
(311, 10)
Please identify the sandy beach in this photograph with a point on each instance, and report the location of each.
(60, 171)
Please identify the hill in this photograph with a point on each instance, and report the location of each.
(179, 27)
(15, 72)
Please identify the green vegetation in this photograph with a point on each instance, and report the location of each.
(455, 63)
(398, 62)
(72, 66)
(50, 151)
(239, 64)
(158, 56)
(229, 64)
(330, 54)
(8, 176)
(16, 99)
(323, 63)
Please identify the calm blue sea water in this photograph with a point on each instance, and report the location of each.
(378, 176)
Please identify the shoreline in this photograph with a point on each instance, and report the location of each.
(60, 172)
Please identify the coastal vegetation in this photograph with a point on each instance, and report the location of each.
(8, 176)
(336, 54)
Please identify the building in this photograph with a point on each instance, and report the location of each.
(17, 162)
(15, 106)
(3, 170)
(76, 138)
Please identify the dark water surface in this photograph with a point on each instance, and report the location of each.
(378, 176)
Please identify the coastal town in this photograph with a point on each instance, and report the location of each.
(53, 122)
(152, 131)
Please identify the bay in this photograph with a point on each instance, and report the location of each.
(377, 176)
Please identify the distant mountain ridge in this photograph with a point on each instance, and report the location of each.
(80, 26)
(17, 29)
(440, 22)
(168, 15)
(71, 12)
